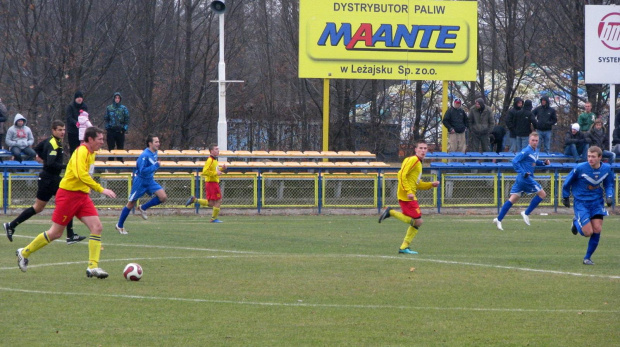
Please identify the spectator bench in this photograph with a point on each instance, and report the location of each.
(507, 156)
(243, 155)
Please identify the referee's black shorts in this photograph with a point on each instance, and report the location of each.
(47, 186)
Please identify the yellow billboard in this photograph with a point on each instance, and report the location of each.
(398, 39)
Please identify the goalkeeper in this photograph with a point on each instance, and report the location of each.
(524, 163)
(592, 185)
(408, 184)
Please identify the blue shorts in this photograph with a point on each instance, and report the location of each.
(141, 186)
(525, 186)
(585, 210)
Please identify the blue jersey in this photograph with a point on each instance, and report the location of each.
(588, 184)
(147, 164)
(526, 160)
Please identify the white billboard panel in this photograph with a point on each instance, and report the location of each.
(602, 46)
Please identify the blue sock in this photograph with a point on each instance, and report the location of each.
(124, 214)
(533, 204)
(507, 205)
(153, 202)
(592, 244)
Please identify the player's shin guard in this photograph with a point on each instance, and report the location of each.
(533, 204)
(401, 217)
(202, 202)
(153, 202)
(592, 244)
(39, 242)
(505, 208)
(216, 212)
(94, 250)
(124, 214)
(411, 233)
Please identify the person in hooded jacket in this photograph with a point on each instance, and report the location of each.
(480, 125)
(116, 123)
(517, 105)
(19, 139)
(455, 120)
(524, 124)
(545, 118)
(73, 112)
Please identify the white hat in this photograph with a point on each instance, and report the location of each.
(575, 126)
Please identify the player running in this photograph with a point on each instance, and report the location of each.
(524, 164)
(592, 185)
(143, 182)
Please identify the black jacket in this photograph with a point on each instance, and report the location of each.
(512, 116)
(577, 139)
(545, 116)
(597, 138)
(50, 151)
(524, 120)
(73, 111)
(497, 134)
(455, 118)
(615, 139)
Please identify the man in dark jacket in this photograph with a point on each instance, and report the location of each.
(524, 124)
(116, 123)
(517, 106)
(4, 115)
(545, 118)
(576, 144)
(597, 138)
(455, 120)
(497, 138)
(480, 124)
(73, 111)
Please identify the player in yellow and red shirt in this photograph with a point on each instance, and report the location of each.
(409, 181)
(73, 200)
(211, 172)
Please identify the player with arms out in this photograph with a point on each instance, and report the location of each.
(409, 181)
(524, 163)
(51, 153)
(143, 182)
(592, 185)
(211, 172)
(73, 200)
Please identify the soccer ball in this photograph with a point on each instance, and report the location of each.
(133, 272)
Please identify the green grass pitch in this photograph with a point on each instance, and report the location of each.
(317, 280)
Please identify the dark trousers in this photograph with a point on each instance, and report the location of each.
(116, 140)
(74, 141)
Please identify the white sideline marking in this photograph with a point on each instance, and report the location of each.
(440, 261)
(301, 304)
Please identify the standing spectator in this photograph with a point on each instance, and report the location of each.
(116, 123)
(524, 124)
(83, 124)
(597, 138)
(480, 123)
(497, 138)
(4, 115)
(73, 112)
(586, 119)
(615, 142)
(19, 139)
(576, 144)
(545, 119)
(517, 105)
(455, 120)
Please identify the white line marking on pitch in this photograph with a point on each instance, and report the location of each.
(301, 304)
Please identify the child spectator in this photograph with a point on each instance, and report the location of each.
(82, 124)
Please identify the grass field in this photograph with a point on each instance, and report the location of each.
(317, 280)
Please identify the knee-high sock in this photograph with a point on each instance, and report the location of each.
(94, 250)
(39, 242)
(533, 204)
(592, 244)
(216, 212)
(411, 233)
(502, 213)
(153, 202)
(400, 216)
(124, 214)
(24, 216)
(202, 202)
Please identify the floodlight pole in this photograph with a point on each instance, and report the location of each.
(222, 124)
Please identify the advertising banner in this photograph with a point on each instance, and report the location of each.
(393, 39)
(602, 46)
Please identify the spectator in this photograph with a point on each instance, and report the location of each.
(496, 138)
(19, 139)
(455, 120)
(83, 124)
(4, 115)
(597, 138)
(617, 120)
(615, 142)
(480, 124)
(116, 123)
(586, 119)
(73, 112)
(524, 124)
(511, 123)
(545, 118)
(576, 144)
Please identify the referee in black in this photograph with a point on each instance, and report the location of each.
(50, 152)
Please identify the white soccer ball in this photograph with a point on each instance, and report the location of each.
(133, 272)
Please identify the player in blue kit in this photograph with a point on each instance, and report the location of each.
(592, 185)
(524, 163)
(143, 182)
